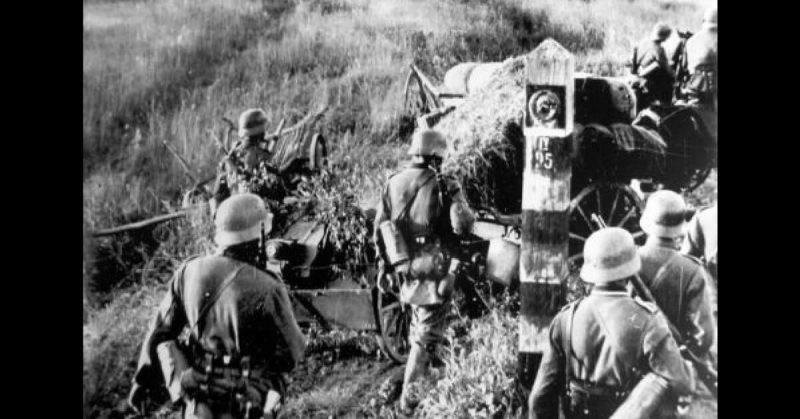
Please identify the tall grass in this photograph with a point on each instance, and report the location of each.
(168, 70)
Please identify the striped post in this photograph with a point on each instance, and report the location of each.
(545, 199)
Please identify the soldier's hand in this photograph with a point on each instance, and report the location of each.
(137, 400)
(273, 405)
(402, 268)
(190, 381)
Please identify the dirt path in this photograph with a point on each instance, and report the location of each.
(343, 389)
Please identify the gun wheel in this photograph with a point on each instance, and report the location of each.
(617, 204)
(394, 322)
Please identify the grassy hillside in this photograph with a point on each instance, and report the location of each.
(168, 70)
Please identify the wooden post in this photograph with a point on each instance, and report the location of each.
(548, 124)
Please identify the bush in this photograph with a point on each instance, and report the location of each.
(480, 369)
(112, 340)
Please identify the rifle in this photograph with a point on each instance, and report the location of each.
(706, 372)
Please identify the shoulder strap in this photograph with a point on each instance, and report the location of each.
(211, 301)
(568, 347)
(404, 212)
(662, 270)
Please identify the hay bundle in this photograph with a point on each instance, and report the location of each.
(486, 139)
(487, 142)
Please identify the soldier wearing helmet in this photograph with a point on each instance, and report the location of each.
(701, 60)
(419, 218)
(247, 166)
(679, 283)
(602, 345)
(651, 64)
(701, 239)
(242, 333)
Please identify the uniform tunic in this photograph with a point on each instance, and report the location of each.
(659, 81)
(427, 216)
(249, 170)
(613, 336)
(701, 240)
(701, 50)
(683, 291)
(701, 60)
(252, 317)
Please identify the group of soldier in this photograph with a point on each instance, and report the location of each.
(225, 336)
(692, 67)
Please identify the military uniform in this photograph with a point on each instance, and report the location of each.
(701, 60)
(249, 170)
(658, 82)
(614, 341)
(682, 290)
(250, 320)
(412, 197)
(701, 240)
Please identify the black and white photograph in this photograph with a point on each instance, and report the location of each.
(400, 209)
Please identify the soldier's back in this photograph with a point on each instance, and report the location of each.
(243, 302)
(608, 330)
(418, 183)
(701, 50)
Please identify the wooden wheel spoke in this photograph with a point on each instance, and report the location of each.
(577, 237)
(627, 216)
(599, 205)
(613, 208)
(585, 218)
(390, 307)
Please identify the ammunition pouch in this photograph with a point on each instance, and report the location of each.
(588, 400)
(173, 365)
(702, 85)
(647, 400)
(429, 260)
(230, 384)
(394, 244)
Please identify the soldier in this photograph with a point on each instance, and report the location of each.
(701, 240)
(651, 64)
(247, 167)
(601, 346)
(701, 60)
(242, 333)
(419, 218)
(679, 283)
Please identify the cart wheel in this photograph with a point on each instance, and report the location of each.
(414, 105)
(394, 320)
(698, 177)
(617, 205)
(319, 152)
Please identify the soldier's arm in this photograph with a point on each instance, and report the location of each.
(694, 243)
(166, 325)
(549, 382)
(702, 327)
(221, 189)
(663, 61)
(462, 218)
(286, 324)
(663, 355)
(382, 213)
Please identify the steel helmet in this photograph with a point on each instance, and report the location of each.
(710, 17)
(239, 219)
(661, 31)
(664, 215)
(609, 255)
(428, 143)
(252, 122)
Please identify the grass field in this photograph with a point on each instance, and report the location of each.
(168, 70)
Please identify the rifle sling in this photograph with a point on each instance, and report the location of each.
(403, 214)
(211, 301)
